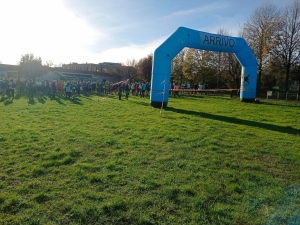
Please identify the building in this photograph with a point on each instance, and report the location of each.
(59, 73)
(29, 71)
(105, 67)
(9, 71)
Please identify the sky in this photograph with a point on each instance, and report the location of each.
(95, 31)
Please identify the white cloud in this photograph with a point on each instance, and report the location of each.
(203, 9)
(121, 54)
(44, 28)
(48, 29)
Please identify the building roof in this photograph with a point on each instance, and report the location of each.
(63, 70)
(7, 67)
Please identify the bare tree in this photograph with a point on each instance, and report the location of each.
(59, 64)
(226, 66)
(131, 62)
(31, 66)
(221, 62)
(29, 58)
(49, 63)
(259, 31)
(287, 51)
(131, 71)
(144, 68)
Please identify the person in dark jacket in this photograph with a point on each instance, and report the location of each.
(53, 90)
(31, 87)
(120, 91)
(127, 90)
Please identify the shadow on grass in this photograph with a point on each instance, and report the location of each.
(272, 127)
(58, 100)
(221, 97)
(86, 96)
(192, 98)
(41, 100)
(75, 100)
(143, 103)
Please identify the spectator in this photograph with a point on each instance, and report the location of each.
(120, 91)
(53, 90)
(143, 89)
(132, 88)
(31, 87)
(18, 85)
(148, 87)
(68, 90)
(11, 86)
(38, 85)
(127, 90)
(176, 90)
(3, 87)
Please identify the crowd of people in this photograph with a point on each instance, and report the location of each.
(39, 88)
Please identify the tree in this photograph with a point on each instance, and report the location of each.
(207, 70)
(287, 51)
(59, 64)
(49, 63)
(189, 67)
(144, 68)
(29, 57)
(259, 32)
(131, 69)
(221, 63)
(232, 73)
(198, 66)
(177, 66)
(31, 66)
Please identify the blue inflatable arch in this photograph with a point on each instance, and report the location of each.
(184, 37)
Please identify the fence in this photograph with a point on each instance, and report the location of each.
(213, 92)
(280, 95)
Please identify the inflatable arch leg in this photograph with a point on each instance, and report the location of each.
(184, 37)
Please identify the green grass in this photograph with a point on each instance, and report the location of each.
(203, 160)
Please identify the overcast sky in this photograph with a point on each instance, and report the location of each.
(95, 31)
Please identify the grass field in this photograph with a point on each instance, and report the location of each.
(203, 160)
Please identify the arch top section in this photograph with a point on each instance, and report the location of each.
(185, 37)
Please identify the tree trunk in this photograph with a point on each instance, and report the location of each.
(287, 77)
(298, 86)
(258, 82)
